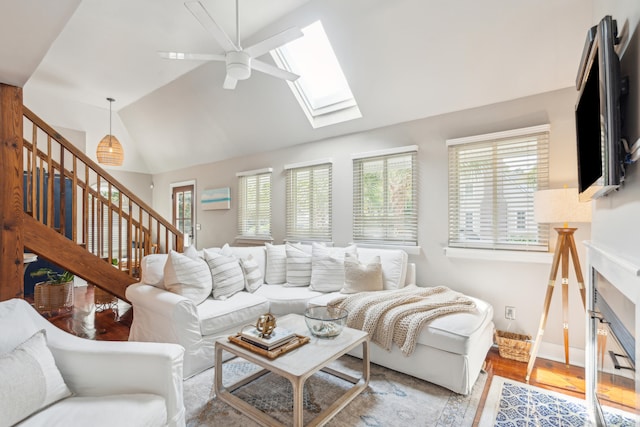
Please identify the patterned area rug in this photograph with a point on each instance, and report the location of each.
(392, 398)
(511, 403)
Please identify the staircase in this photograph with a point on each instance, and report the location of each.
(76, 215)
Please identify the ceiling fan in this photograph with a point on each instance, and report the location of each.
(239, 60)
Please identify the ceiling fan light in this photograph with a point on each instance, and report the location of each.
(238, 65)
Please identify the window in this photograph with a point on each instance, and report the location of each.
(385, 206)
(492, 180)
(322, 89)
(254, 204)
(309, 201)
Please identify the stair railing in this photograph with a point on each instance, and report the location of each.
(66, 190)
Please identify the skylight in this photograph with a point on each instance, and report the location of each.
(322, 89)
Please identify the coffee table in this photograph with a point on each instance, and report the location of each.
(297, 366)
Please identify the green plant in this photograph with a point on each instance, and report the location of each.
(53, 277)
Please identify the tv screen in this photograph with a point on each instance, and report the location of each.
(598, 118)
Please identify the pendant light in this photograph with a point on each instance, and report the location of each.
(109, 151)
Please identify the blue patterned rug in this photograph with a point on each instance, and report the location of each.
(514, 404)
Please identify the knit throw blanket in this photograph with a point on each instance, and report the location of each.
(397, 316)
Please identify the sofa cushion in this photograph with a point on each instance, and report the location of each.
(227, 275)
(298, 270)
(276, 270)
(189, 277)
(361, 277)
(285, 300)
(327, 267)
(97, 411)
(30, 380)
(394, 265)
(252, 275)
(455, 333)
(243, 308)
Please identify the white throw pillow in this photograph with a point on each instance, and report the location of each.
(327, 267)
(188, 277)
(30, 380)
(298, 266)
(362, 277)
(252, 274)
(191, 252)
(226, 273)
(276, 273)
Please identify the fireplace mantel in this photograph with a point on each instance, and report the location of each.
(624, 274)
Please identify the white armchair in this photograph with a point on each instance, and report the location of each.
(113, 383)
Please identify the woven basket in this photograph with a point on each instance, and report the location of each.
(513, 346)
(53, 297)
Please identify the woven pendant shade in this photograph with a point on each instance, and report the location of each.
(109, 151)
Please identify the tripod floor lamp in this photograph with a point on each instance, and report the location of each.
(560, 206)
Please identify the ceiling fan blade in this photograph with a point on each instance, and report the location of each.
(201, 14)
(272, 70)
(273, 42)
(229, 83)
(193, 56)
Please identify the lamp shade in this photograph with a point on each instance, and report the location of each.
(560, 205)
(109, 151)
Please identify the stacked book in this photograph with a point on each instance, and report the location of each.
(278, 338)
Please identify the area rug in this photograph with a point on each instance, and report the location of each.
(392, 398)
(511, 403)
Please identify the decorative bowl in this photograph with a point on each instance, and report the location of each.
(325, 322)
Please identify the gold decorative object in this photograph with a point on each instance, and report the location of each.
(266, 324)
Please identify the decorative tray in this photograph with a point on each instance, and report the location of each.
(297, 341)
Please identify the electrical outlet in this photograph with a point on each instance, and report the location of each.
(510, 313)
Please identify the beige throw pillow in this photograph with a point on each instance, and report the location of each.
(30, 380)
(360, 277)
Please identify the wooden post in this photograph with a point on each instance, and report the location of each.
(11, 194)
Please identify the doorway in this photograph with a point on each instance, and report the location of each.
(182, 197)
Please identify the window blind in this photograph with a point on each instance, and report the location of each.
(385, 206)
(491, 189)
(98, 227)
(254, 205)
(309, 202)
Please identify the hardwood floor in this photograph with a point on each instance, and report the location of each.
(112, 324)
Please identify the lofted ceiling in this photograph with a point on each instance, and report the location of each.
(404, 60)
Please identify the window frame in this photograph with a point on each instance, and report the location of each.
(406, 233)
(501, 231)
(295, 203)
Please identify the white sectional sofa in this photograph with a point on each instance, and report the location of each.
(450, 350)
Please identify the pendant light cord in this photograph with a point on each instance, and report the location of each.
(110, 102)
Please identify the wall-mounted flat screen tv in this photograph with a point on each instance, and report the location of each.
(598, 116)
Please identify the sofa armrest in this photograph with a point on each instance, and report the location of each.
(96, 368)
(162, 316)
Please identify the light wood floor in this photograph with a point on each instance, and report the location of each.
(113, 325)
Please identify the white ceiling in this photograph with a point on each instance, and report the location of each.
(404, 60)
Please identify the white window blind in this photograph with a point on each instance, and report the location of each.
(98, 226)
(309, 202)
(385, 205)
(254, 205)
(492, 181)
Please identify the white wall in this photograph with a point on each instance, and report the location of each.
(501, 283)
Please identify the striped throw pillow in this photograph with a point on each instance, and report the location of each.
(298, 266)
(227, 274)
(188, 277)
(327, 267)
(252, 274)
(276, 273)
